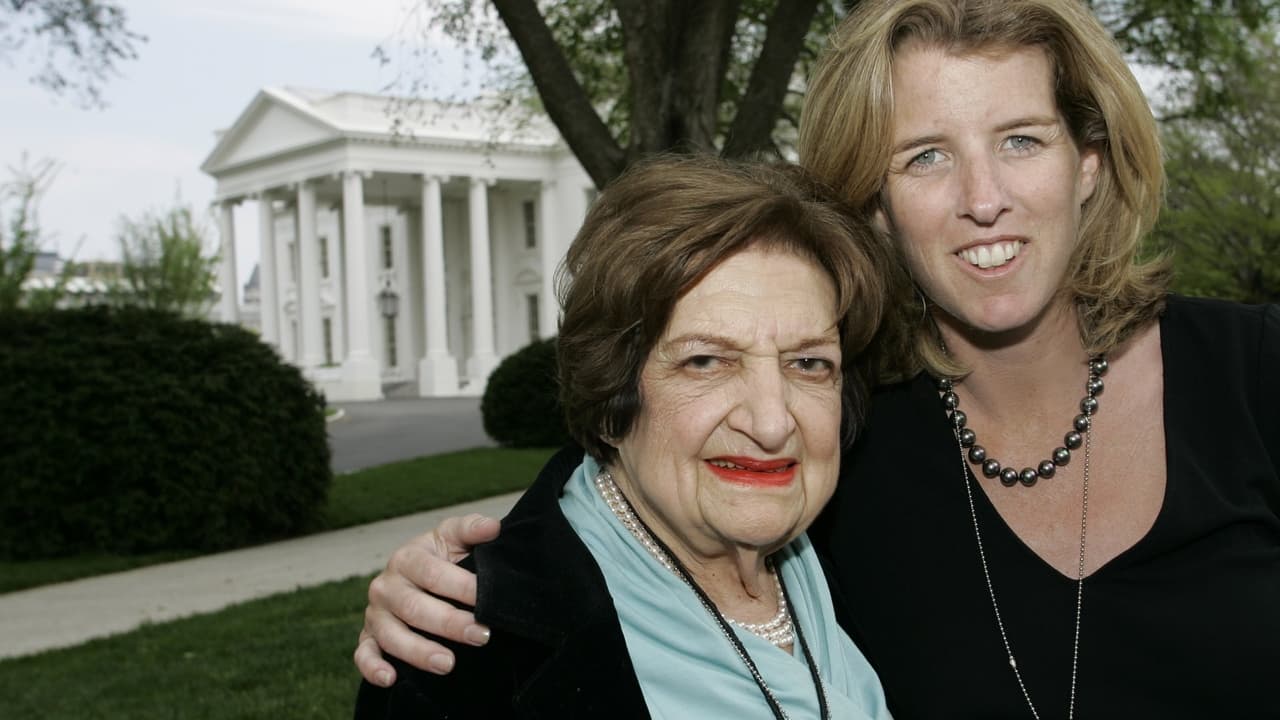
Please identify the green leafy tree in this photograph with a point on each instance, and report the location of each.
(625, 78)
(1222, 221)
(1197, 43)
(166, 263)
(20, 237)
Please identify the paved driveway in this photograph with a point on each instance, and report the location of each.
(374, 433)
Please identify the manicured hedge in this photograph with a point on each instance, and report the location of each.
(521, 404)
(127, 430)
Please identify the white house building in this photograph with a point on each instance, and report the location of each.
(422, 255)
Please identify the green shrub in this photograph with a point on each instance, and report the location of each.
(521, 404)
(128, 431)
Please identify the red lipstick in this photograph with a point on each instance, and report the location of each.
(752, 471)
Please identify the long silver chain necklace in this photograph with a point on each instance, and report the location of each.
(1088, 407)
(622, 509)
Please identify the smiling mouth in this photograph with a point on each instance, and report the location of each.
(765, 473)
(991, 256)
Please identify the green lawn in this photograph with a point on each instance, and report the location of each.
(287, 656)
(430, 482)
(355, 498)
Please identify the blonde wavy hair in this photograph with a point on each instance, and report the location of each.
(846, 139)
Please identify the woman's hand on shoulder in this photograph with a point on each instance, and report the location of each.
(414, 590)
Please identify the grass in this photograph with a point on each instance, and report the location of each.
(19, 575)
(430, 482)
(355, 498)
(287, 656)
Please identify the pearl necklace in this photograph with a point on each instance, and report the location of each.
(779, 630)
(1097, 367)
(621, 508)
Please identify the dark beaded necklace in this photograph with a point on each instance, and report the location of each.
(1061, 455)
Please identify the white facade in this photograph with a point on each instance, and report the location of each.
(463, 224)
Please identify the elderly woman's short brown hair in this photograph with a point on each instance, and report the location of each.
(659, 229)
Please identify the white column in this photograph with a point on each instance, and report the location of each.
(285, 283)
(549, 249)
(361, 378)
(268, 297)
(228, 304)
(309, 278)
(437, 370)
(483, 357)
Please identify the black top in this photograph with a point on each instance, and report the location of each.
(1184, 624)
(557, 648)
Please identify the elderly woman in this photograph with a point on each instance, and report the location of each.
(1011, 540)
(713, 318)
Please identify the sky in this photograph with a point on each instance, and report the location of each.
(203, 62)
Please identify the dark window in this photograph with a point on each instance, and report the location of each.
(328, 341)
(392, 361)
(388, 254)
(531, 304)
(530, 225)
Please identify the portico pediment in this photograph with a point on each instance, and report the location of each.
(272, 125)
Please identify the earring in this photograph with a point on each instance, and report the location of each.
(924, 304)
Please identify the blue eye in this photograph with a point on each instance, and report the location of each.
(928, 157)
(1023, 142)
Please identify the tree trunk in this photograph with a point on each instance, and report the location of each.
(677, 54)
(701, 62)
(760, 105)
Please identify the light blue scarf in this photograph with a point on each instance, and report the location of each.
(686, 667)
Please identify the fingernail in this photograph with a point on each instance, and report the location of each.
(441, 663)
(382, 678)
(476, 635)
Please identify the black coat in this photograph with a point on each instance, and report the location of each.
(557, 649)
